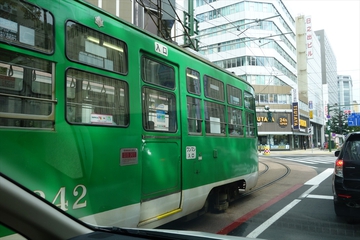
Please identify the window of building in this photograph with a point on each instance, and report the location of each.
(251, 61)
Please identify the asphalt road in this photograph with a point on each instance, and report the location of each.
(298, 206)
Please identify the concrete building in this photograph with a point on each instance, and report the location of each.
(310, 80)
(345, 96)
(256, 41)
(143, 13)
(328, 68)
(118, 8)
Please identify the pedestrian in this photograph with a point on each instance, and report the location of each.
(305, 145)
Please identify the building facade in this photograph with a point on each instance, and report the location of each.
(121, 9)
(328, 67)
(345, 91)
(310, 81)
(155, 16)
(257, 41)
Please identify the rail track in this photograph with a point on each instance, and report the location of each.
(266, 170)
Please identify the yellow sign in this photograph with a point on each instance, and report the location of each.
(263, 119)
(283, 121)
(303, 123)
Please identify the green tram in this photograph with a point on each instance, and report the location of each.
(117, 126)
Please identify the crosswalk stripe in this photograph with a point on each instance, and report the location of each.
(310, 160)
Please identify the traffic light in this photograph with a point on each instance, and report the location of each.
(269, 116)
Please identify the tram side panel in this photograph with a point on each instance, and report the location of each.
(215, 159)
(94, 171)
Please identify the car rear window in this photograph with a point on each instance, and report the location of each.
(352, 148)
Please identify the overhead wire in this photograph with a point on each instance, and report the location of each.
(272, 67)
(271, 74)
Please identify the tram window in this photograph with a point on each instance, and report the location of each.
(159, 110)
(234, 95)
(97, 100)
(250, 124)
(194, 115)
(157, 73)
(214, 118)
(213, 88)
(26, 25)
(193, 81)
(26, 91)
(94, 48)
(249, 100)
(235, 123)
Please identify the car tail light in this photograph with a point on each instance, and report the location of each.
(344, 196)
(339, 167)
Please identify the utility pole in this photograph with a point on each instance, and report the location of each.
(159, 18)
(191, 27)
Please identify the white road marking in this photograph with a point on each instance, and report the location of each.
(320, 196)
(307, 192)
(315, 181)
(276, 216)
(311, 160)
(321, 177)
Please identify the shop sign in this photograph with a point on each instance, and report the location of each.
(263, 119)
(309, 38)
(295, 115)
(283, 121)
(303, 123)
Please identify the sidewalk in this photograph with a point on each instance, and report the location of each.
(313, 151)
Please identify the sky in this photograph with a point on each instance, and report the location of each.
(340, 20)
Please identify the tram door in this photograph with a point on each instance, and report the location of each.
(161, 145)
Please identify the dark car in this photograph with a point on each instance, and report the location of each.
(346, 178)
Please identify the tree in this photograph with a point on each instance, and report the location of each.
(338, 122)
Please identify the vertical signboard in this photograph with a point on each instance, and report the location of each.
(295, 109)
(295, 116)
(309, 36)
(294, 95)
(311, 114)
